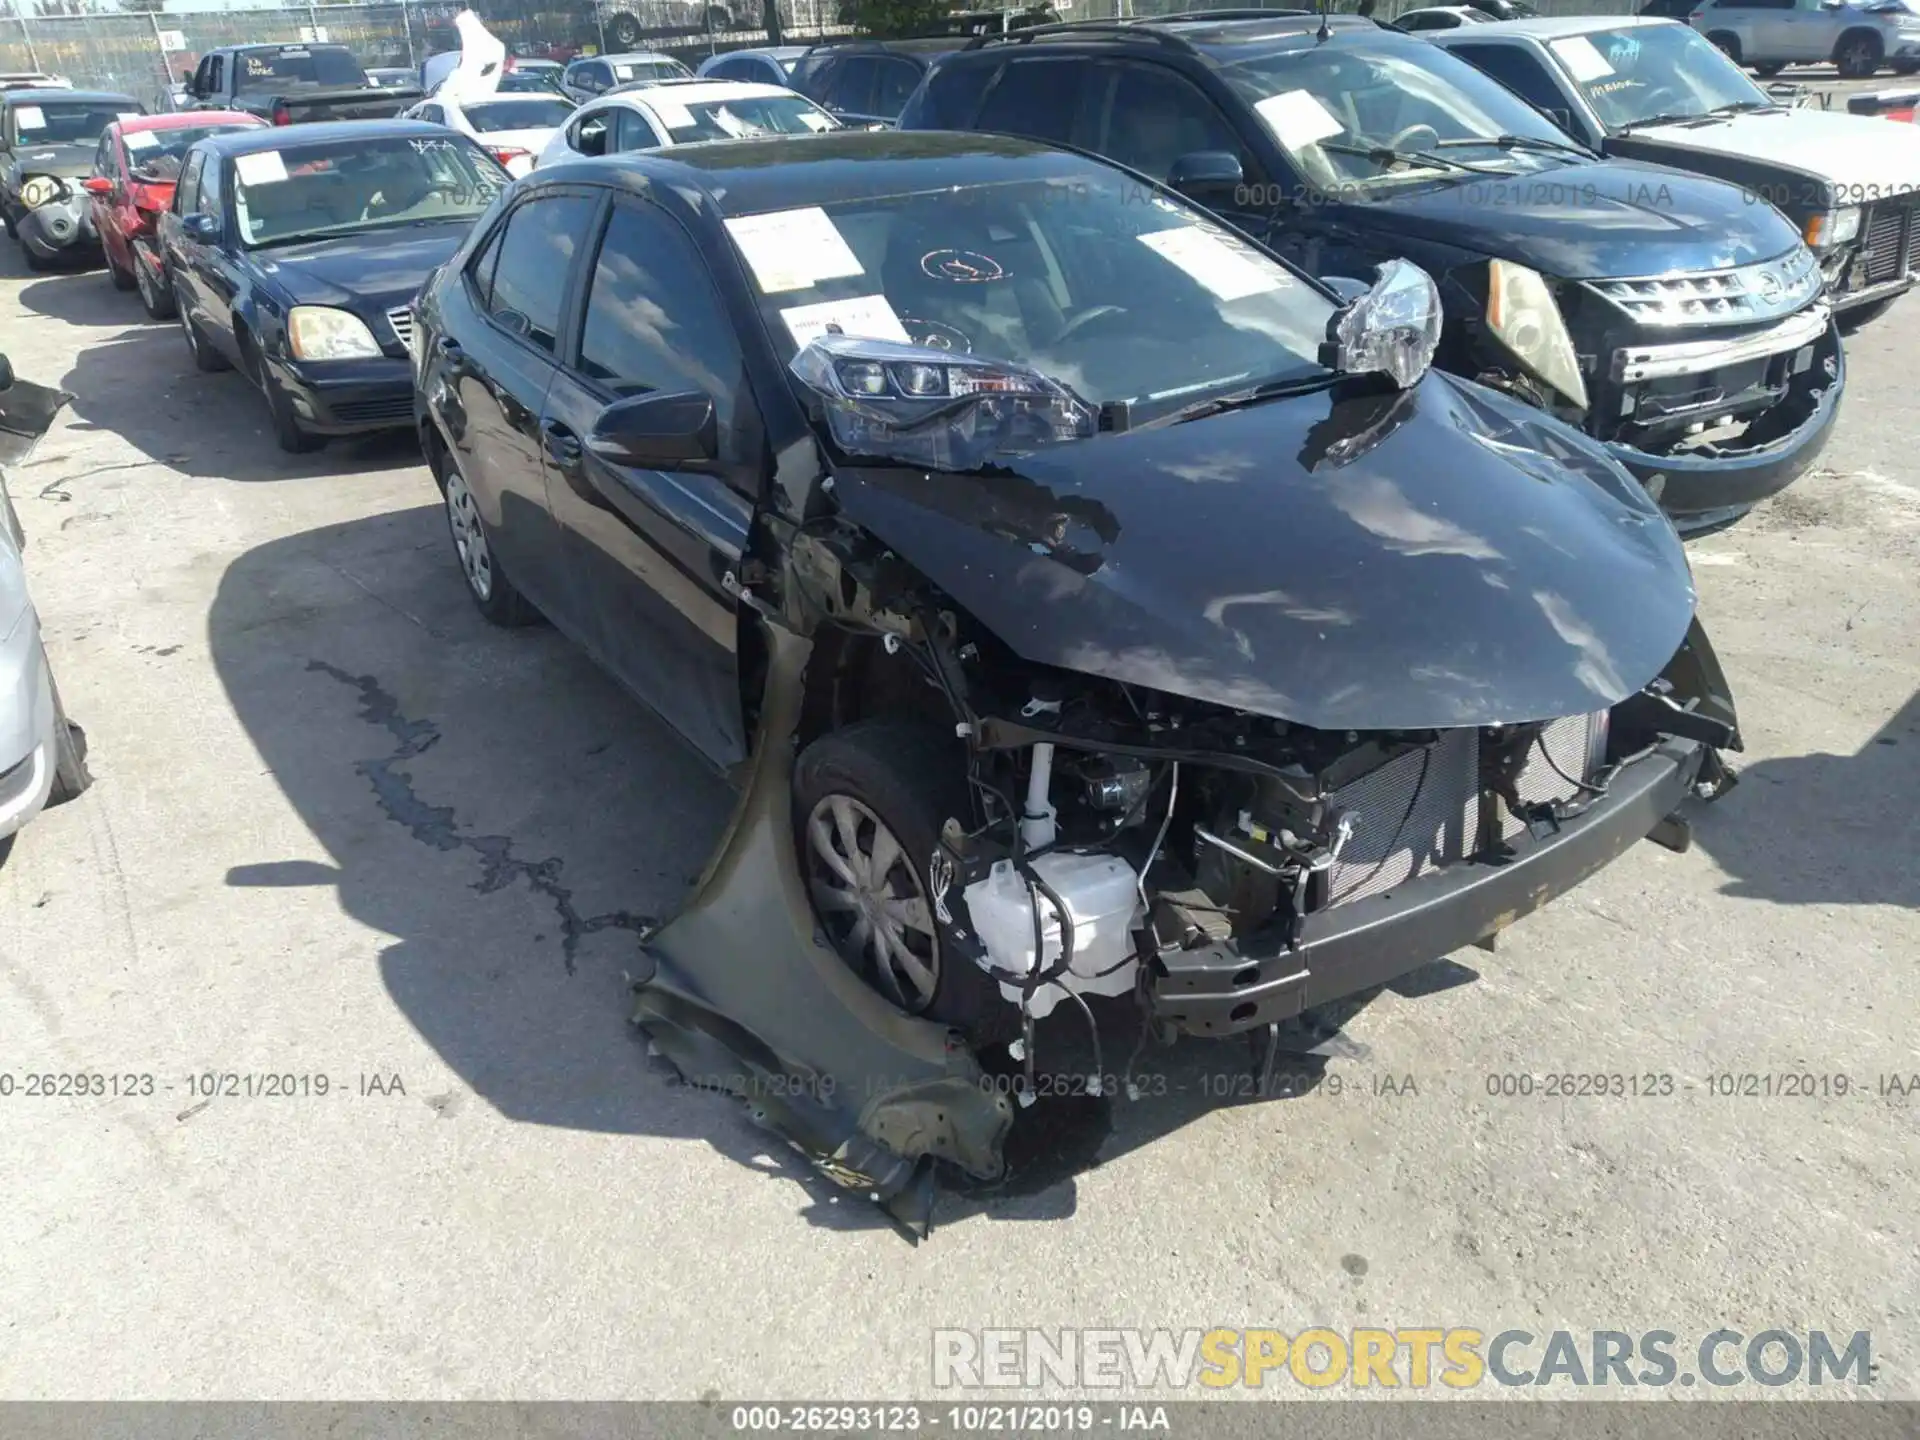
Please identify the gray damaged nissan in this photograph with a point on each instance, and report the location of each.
(1110, 613)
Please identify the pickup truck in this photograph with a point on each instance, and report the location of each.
(293, 84)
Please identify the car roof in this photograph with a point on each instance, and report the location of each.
(293, 137)
(1557, 27)
(627, 56)
(750, 177)
(915, 45)
(60, 92)
(183, 119)
(696, 92)
(1218, 38)
(521, 62)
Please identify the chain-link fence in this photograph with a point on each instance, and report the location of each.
(145, 55)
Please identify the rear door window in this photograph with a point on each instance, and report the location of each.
(950, 99)
(1515, 67)
(850, 85)
(633, 131)
(898, 80)
(1039, 99)
(535, 257)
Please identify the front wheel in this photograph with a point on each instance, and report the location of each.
(70, 774)
(1906, 67)
(1857, 56)
(869, 802)
(155, 295)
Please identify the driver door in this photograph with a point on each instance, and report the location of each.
(650, 553)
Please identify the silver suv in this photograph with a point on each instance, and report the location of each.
(1859, 36)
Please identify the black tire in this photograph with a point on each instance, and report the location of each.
(206, 359)
(70, 774)
(487, 584)
(1906, 67)
(288, 432)
(1727, 43)
(624, 30)
(1857, 54)
(910, 778)
(122, 279)
(37, 263)
(156, 295)
(1770, 69)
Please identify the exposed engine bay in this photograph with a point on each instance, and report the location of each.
(1112, 830)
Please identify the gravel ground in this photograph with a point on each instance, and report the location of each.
(535, 1210)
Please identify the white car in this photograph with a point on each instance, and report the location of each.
(513, 128)
(683, 113)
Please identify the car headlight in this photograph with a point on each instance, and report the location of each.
(1833, 227)
(1523, 316)
(319, 332)
(41, 190)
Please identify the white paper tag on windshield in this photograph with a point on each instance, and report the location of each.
(1583, 62)
(264, 167)
(1222, 269)
(816, 120)
(793, 249)
(868, 316)
(139, 139)
(672, 113)
(30, 117)
(1298, 118)
(623, 72)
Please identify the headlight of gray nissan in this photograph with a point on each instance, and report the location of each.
(1833, 227)
(1523, 315)
(40, 190)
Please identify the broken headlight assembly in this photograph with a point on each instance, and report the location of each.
(922, 406)
(1391, 330)
(1524, 317)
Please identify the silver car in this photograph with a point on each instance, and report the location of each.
(43, 755)
(1858, 36)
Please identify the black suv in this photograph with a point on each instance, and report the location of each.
(1665, 314)
(865, 82)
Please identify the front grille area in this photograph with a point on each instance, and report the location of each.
(1416, 813)
(402, 322)
(394, 410)
(1888, 234)
(1765, 291)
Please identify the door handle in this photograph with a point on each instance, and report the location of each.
(562, 445)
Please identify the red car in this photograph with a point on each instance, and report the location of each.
(132, 182)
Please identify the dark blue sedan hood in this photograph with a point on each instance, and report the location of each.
(1608, 219)
(1348, 559)
(377, 270)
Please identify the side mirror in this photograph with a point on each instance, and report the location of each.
(1391, 330)
(97, 185)
(1345, 287)
(203, 228)
(1205, 172)
(1562, 118)
(657, 432)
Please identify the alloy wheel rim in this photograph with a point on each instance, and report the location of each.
(871, 901)
(469, 539)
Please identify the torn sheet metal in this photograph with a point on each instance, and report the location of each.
(745, 996)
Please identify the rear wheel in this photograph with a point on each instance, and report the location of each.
(1858, 54)
(869, 803)
(1906, 67)
(206, 359)
(155, 295)
(491, 590)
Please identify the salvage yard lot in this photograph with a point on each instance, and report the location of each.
(345, 834)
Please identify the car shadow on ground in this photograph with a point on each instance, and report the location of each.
(511, 819)
(1825, 829)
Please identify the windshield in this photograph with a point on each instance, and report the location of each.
(531, 114)
(524, 82)
(157, 155)
(627, 71)
(1631, 76)
(741, 119)
(305, 192)
(67, 122)
(1331, 106)
(1112, 290)
(294, 66)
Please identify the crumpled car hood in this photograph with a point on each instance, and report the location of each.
(1437, 557)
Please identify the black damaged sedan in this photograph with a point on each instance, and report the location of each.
(1086, 602)
(293, 253)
